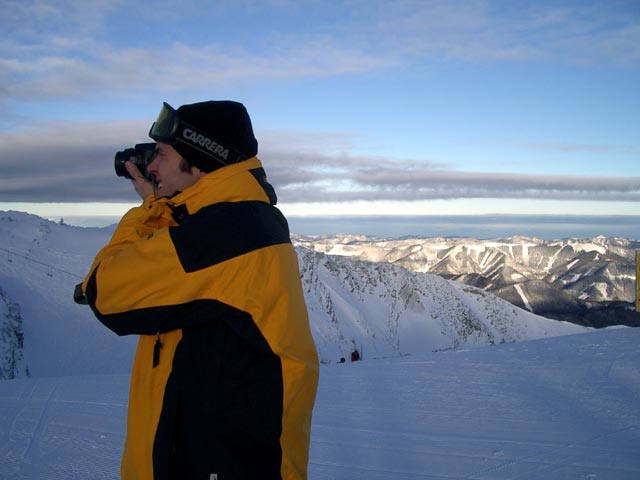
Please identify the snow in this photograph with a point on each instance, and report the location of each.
(559, 408)
(44, 262)
(554, 408)
(601, 288)
(570, 265)
(588, 247)
(524, 298)
(573, 278)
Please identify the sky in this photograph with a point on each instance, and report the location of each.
(360, 108)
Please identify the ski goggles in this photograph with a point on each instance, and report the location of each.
(165, 128)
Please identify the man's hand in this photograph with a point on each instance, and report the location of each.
(143, 186)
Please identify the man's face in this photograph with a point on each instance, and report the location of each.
(169, 177)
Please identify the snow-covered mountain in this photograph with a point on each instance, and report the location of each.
(379, 308)
(387, 310)
(585, 281)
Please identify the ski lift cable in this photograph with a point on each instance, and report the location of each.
(51, 267)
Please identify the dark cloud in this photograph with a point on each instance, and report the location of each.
(66, 162)
(74, 163)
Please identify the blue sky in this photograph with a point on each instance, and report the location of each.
(359, 107)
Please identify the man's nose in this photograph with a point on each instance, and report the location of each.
(153, 166)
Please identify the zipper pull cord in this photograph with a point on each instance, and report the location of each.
(156, 351)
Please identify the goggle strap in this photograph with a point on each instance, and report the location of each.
(208, 145)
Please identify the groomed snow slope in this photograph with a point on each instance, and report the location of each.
(558, 408)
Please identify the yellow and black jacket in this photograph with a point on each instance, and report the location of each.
(225, 373)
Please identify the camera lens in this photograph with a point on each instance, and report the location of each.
(141, 156)
(119, 160)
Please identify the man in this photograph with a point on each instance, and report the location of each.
(225, 374)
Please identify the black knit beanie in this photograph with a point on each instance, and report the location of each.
(214, 134)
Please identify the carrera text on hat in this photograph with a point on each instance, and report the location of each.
(199, 140)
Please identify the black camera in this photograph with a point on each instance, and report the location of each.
(141, 155)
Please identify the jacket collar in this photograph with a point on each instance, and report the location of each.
(243, 181)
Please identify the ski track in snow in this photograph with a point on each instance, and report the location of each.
(62, 428)
(560, 408)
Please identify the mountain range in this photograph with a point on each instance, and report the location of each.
(381, 308)
(590, 282)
